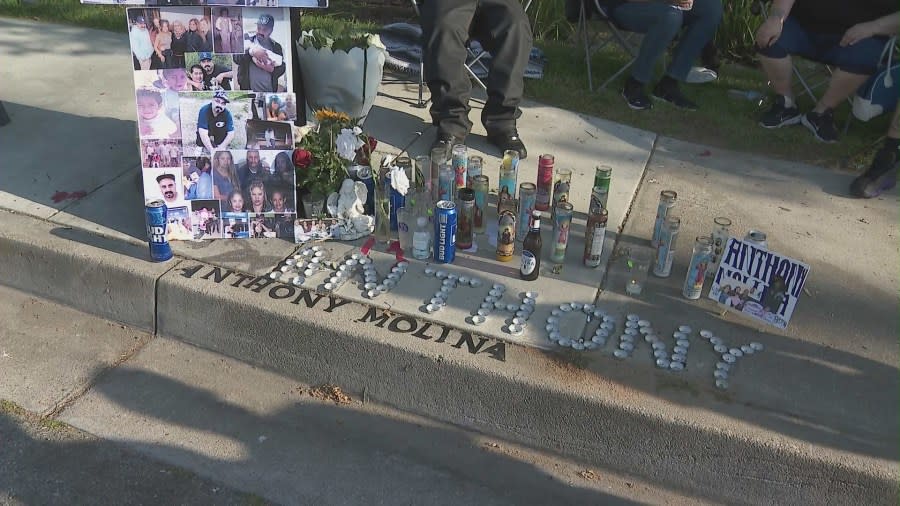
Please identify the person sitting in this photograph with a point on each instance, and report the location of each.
(849, 36)
(694, 22)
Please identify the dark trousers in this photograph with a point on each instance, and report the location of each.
(502, 28)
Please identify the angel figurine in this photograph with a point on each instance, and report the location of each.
(347, 206)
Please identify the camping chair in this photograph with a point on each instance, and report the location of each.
(597, 41)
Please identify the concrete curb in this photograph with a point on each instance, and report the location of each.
(505, 390)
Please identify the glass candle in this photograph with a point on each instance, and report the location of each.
(527, 195)
(562, 221)
(561, 188)
(481, 186)
(509, 172)
(473, 168)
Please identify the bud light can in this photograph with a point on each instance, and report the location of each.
(444, 231)
(157, 220)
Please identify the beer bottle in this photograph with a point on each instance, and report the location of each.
(531, 249)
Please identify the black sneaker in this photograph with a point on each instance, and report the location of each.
(881, 176)
(671, 93)
(635, 96)
(821, 125)
(447, 140)
(508, 140)
(778, 115)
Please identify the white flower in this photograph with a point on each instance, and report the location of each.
(399, 181)
(347, 143)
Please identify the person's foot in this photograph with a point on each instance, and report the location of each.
(779, 115)
(881, 176)
(508, 140)
(700, 75)
(446, 140)
(668, 90)
(821, 125)
(635, 95)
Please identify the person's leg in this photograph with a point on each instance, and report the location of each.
(504, 31)
(882, 173)
(445, 30)
(778, 67)
(660, 23)
(700, 26)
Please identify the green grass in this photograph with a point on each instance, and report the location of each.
(721, 122)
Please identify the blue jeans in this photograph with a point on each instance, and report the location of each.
(661, 22)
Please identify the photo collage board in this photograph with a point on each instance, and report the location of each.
(215, 115)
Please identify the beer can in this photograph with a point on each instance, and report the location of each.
(696, 273)
(595, 234)
(444, 232)
(473, 168)
(481, 186)
(562, 221)
(665, 250)
(459, 159)
(667, 200)
(526, 206)
(757, 238)
(446, 182)
(544, 182)
(398, 200)
(364, 174)
(465, 218)
(157, 220)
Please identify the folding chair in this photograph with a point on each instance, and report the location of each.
(614, 35)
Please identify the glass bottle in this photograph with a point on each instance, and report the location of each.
(531, 249)
(383, 209)
(421, 241)
(602, 178)
(720, 234)
(405, 222)
(594, 235)
(561, 188)
(423, 172)
(562, 221)
(509, 172)
(438, 157)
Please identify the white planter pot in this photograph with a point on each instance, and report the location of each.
(340, 80)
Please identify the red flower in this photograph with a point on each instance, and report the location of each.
(364, 153)
(302, 158)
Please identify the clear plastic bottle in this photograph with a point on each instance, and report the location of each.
(421, 247)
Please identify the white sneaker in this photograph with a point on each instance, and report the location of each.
(699, 75)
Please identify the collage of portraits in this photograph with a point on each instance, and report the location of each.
(215, 113)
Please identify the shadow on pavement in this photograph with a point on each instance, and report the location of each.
(311, 443)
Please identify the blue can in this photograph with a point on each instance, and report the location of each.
(398, 200)
(364, 174)
(444, 232)
(157, 220)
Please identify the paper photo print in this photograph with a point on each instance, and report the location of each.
(264, 62)
(228, 30)
(198, 178)
(165, 184)
(276, 106)
(214, 121)
(235, 225)
(157, 153)
(179, 224)
(206, 220)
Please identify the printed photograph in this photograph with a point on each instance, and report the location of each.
(264, 64)
(160, 38)
(198, 178)
(282, 198)
(154, 121)
(284, 226)
(228, 30)
(178, 227)
(314, 229)
(307, 4)
(214, 121)
(209, 72)
(235, 225)
(206, 221)
(262, 226)
(276, 106)
(225, 175)
(269, 135)
(165, 184)
(156, 153)
(234, 202)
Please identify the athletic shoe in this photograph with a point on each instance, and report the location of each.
(635, 96)
(447, 140)
(700, 75)
(778, 115)
(881, 176)
(671, 93)
(821, 125)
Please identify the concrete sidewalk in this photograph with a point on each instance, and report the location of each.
(811, 419)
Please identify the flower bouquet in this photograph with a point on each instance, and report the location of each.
(324, 152)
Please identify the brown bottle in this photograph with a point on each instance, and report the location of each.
(531, 250)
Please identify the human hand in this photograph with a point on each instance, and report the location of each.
(265, 64)
(768, 32)
(857, 33)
